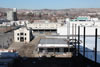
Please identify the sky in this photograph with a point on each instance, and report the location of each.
(49, 4)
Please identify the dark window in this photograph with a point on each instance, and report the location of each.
(25, 33)
(25, 38)
(18, 38)
(17, 33)
(82, 20)
(56, 49)
(65, 49)
(21, 33)
(40, 49)
(50, 50)
(22, 39)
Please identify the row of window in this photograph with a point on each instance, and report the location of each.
(53, 49)
(45, 27)
(21, 38)
(21, 34)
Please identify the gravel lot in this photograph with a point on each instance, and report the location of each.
(6, 39)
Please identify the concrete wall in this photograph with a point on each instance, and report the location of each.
(90, 29)
(44, 25)
(27, 36)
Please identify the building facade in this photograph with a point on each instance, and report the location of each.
(53, 46)
(72, 28)
(12, 15)
(44, 25)
(69, 28)
(22, 35)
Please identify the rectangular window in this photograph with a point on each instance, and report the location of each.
(25, 33)
(22, 39)
(17, 38)
(25, 38)
(21, 33)
(56, 49)
(18, 34)
(40, 49)
(65, 49)
(50, 50)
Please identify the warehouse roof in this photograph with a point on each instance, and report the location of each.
(53, 41)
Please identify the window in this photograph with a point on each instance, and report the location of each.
(25, 38)
(56, 49)
(65, 49)
(18, 34)
(40, 49)
(50, 50)
(22, 39)
(25, 33)
(21, 33)
(17, 38)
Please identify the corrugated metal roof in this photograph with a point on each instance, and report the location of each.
(53, 41)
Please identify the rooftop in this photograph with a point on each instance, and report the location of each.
(22, 29)
(53, 41)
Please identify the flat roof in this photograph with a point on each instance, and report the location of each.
(53, 41)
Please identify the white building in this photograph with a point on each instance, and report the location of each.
(20, 23)
(45, 25)
(12, 15)
(69, 27)
(84, 18)
(22, 35)
(53, 45)
(89, 30)
(15, 23)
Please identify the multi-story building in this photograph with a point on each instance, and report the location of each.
(54, 47)
(12, 15)
(89, 23)
(50, 26)
(44, 25)
(15, 14)
(22, 35)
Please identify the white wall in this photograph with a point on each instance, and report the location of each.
(90, 30)
(20, 22)
(23, 30)
(44, 25)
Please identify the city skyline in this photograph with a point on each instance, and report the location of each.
(49, 4)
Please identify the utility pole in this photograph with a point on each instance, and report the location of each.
(75, 39)
(78, 40)
(96, 45)
(84, 42)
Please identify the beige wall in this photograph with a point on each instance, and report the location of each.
(27, 36)
(44, 25)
